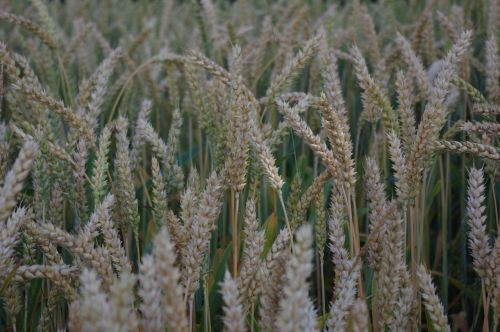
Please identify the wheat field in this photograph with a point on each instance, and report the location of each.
(215, 165)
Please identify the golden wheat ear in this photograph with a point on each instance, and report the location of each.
(297, 312)
(431, 301)
(476, 219)
(234, 319)
(14, 180)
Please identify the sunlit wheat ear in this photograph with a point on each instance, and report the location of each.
(484, 151)
(494, 262)
(39, 96)
(9, 237)
(81, 31)
(435, 114)
(293, 202)
(273, 273)
(300, 206)
(422, 26)
(31, 26)
(150, 293)
(290, 22)
(338, 132)
(399, 165)
(55, 151)
(489, 128)
(168, 277)
(493, 9)
(276, 104)
(331, 81)
(448, 26)
(29, 74)
(368, 28)
(111, 235)
(320, 231)
(476, 219)
(492, 70)
(145, 133)
(173, 140)
(90, 311)
(123, 316)
(336, 222)
(58, 274)
(431, 301)
(296, 308)
(294, 65)
(8, 61)
(198, 59)
(49, 250)
(124, 185)
(265, 157)
(386, 250)
(87, 256)
(476, 95)
(189, 203)
(195, 86)
(262, 150)
(416, 69)
(264, 41)
(405, 111)
(344, 297)
(46, 19)
(159, 199)
(14, 180)
(210, 14)
(377, 203)
(301, 128)
(234, 318)
(404, 304)
(360, 317)
(92, 91)
(392, 268)
(99, 178)
(373, 95)
(250, 276)
(238, 129)
(80, 157)
(12, 302)
(200, 232)
(484, 108)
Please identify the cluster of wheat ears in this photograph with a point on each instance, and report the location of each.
(249, 165)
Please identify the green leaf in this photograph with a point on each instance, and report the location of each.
(271, 230)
